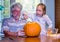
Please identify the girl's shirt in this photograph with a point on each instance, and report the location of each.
(44, 22)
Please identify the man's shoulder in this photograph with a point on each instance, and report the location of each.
(6, 19)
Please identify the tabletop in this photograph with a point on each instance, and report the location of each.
(41, 38)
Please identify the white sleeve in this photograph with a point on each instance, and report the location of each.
(48, 21)
(29, 20)
(30, 17)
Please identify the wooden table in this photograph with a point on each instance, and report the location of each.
(41, 38)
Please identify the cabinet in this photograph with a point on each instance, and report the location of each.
(57, 14)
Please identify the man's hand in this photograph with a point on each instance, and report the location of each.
(8, 33)
(21, 33)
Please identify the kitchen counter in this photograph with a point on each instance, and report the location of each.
(41, 38)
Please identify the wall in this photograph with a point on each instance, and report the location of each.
(51, 10)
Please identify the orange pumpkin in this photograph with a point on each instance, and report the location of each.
(32, 29)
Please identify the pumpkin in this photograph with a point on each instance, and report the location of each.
(32, 29)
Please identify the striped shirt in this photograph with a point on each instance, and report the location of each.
(11, 25)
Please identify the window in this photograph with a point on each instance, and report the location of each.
(29, 5)
(4, 13)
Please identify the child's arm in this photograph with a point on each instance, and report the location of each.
(48, 21)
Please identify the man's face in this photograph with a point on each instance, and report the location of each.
(39, 10)
(16, 12)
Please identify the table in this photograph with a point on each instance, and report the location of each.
(41, 38)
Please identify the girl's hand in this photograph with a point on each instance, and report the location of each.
(49, 31)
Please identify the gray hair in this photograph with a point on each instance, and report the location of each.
(16, 4)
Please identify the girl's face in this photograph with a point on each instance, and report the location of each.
(39, 10)
(16, 12)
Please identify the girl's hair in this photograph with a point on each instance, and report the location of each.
(44, 7)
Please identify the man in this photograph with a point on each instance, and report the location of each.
(13, 26)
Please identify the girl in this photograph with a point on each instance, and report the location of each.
(42, 18)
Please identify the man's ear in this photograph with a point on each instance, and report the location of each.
(44, 12)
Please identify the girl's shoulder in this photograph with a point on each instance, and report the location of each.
(45, 16)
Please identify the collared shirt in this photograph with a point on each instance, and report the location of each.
(44, 21)
(11, 25)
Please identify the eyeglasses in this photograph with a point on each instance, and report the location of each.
(38, 10)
